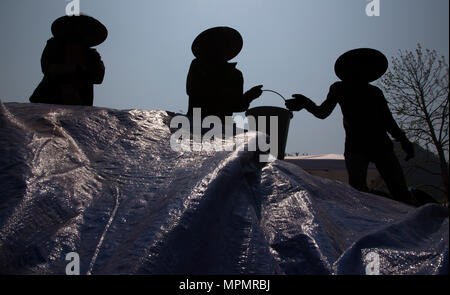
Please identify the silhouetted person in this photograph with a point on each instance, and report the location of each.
(214, 84)
(69, 65)
(367, 120)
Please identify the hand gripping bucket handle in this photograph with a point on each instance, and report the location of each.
(283, 118)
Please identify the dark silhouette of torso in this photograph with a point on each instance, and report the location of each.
(70, 70)
(366, 115)
(216, 88)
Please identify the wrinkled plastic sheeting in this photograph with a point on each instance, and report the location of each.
(105, 183)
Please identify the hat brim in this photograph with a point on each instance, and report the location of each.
(90, 30)
(363, 64)
(219, 43)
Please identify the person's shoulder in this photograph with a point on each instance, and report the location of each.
(195, 65)
(232, 67)
(195, 62)
(54, 41)
(375, 90)
(337, 87)
(373, 87)
(54, 44)
(93, 54)
(52, 48)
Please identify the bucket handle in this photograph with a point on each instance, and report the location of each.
(273, 91)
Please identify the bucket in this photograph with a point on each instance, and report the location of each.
(284, 117)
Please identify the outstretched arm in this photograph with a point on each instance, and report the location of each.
(300, 102)
(249, 96)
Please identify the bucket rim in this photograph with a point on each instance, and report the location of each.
(278, 109)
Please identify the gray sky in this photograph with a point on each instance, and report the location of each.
(289, 46)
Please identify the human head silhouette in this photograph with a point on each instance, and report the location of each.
(361, 65)
(218, 44)
(84, 29)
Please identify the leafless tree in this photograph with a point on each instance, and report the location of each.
(416, 87)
